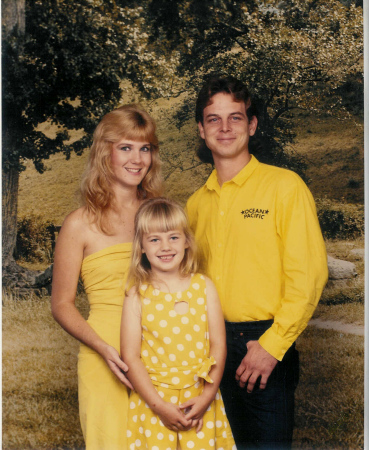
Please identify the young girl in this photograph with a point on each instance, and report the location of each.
(172, 339)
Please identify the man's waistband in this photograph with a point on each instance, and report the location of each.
(257, 325)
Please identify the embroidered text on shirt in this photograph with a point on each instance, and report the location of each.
(253, 213)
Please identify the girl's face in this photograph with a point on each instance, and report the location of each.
(130, 161)
(164, 250)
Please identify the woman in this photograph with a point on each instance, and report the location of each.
(95, 241)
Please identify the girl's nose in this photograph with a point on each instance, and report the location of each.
(165, 245)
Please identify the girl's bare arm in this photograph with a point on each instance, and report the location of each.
(170, 414)
(218, 350)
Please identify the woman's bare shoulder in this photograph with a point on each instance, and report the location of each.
(77, 220)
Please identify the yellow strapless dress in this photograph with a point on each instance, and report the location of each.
(103, 399)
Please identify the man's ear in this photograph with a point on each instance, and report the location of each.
(201, 130)
(253, 124)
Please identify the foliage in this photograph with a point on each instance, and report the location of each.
(66, 69)
(293, 55)
(35, 239)
(344, 296)
(340, 220)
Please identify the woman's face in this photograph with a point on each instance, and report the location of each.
(130, 161)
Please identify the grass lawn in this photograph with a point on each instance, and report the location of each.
(40, 404)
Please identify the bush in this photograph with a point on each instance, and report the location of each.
(35, 239)
(343, 296)
(339, 220)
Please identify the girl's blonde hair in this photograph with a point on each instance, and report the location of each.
(129, 122)
(160, 215)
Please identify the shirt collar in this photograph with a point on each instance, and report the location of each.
(212, 182)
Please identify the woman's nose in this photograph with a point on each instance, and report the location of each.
(136, 156)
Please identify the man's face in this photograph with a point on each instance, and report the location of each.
(226, 128)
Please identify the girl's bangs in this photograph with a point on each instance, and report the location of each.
(163, 220)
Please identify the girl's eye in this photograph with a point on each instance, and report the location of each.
(154, 240)
(174, 238)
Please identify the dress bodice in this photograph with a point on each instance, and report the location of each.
(104, 275)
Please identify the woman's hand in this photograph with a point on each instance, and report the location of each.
(116, 365)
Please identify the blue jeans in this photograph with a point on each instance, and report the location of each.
(263, 418)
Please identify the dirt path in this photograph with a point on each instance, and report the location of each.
(338, 326)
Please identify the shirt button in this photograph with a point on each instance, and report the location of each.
(217, 278)
(219, 245)
(222, 213)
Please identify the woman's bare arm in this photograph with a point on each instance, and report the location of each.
(69, 251)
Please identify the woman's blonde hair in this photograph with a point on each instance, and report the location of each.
(129, 122)
(160, 215)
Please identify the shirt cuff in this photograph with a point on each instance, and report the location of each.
(274, 344)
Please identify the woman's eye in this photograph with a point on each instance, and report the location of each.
(125, 148)
(145, 149)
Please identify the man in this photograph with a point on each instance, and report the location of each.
(260, 241)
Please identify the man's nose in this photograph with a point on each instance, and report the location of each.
(224, 125)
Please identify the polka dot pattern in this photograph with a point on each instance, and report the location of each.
(175, 352)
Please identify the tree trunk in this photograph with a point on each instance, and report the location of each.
(13, 18)
(13, 15)
(17, 278)
(10, 184)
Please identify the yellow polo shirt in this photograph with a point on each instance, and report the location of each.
(260, 242)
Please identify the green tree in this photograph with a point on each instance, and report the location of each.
(63, 62)
(294, 56)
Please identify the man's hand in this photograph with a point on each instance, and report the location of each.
(257, 363)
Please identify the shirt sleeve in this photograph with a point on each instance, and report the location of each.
(304, 270)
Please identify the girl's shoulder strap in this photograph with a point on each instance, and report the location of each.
(144, 290)
(198, 282)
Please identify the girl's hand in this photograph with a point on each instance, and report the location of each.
(195, 409)
(116, 365)
(172, 417)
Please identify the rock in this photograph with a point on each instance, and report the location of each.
(23, 281)
(45, 277)
(340, 269)
(358, 253)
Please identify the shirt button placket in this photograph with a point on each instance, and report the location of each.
(220, 247)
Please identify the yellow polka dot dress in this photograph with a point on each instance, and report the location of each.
(175, 351)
